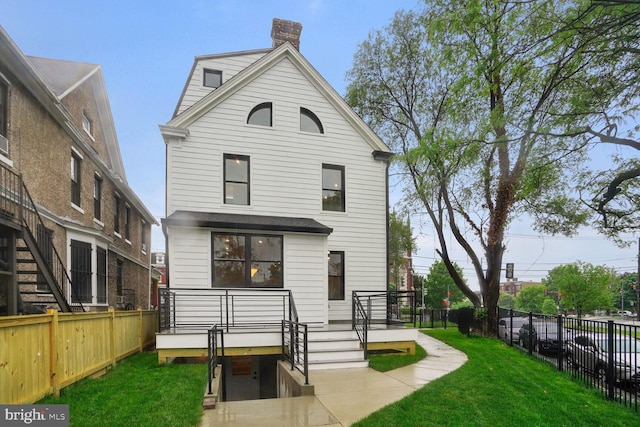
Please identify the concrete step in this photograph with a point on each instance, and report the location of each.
(336, 345)
(330, 355)
(339, 364)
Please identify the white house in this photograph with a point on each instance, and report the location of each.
(273, 182)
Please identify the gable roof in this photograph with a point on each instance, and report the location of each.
(244, 77)
(63, 77)
(49, 81)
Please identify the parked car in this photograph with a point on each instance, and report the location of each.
(505, 328)
(591, 353)
(624, 313)
(528, 335)
(548, 340)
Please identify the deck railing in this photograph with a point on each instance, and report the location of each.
(226, 307)
(389, 307)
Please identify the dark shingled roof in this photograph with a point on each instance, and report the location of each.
(246, 222)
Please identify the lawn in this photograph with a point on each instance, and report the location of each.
(500, 386)
(138, 392)
(387, 362)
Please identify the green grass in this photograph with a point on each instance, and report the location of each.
(387, 362)
(137, 392)
(499, 386)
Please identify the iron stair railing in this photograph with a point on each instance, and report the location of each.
(17, 205)
(359, 321)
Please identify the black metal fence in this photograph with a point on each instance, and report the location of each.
(600, 353)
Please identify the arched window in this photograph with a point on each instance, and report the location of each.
(261, 115)
(309, 122)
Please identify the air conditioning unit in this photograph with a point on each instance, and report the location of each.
(120, 299)
(4, 145)
(144, 247)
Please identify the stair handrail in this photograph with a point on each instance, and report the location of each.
(293, 311)
(359, 321)
(213, 352)
(294, 336)
(59, 272)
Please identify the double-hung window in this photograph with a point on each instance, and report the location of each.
(236, 180)
(247, 260)
(97, 198)
(333, 197)
(116, 214)
(4, 108)
(127, 223)
(76, 165)
(336, 275)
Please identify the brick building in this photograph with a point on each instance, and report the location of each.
(81, 239)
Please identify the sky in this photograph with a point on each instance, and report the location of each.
(146, 50)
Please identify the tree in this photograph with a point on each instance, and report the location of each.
(506, 300)
(549, 306)
(441, 287)
(401, 244)
(531, 298)
(488, 105)
(584, 287)
(625, 292)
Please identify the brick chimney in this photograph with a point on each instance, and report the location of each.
(286, 31)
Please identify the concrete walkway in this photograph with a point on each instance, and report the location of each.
(342, 396)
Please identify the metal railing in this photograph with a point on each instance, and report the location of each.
(213, 352)
(599, 353)
(389, 307)
(227, 307)
(295, 346)
(360, 321)
(17, 206)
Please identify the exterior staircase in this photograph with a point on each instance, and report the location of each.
(335, 349)
(41, 277)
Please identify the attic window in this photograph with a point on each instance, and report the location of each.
(86, 123)
(309, 122)
(212, 78)
(261, 115)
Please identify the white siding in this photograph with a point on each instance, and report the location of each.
(190, 253)
(229, 65)
(286, 179)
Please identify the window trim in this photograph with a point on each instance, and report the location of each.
(256, 109)
(97, 197)
(305, 112)
(76, 179)
(4, 107)
(87, 124)
(116, 215)
(206, 71)
(341, 276)
(343, 199)
(237, 157)
(127, 222)
(247, 260)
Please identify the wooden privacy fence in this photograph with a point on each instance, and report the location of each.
(41, 354)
